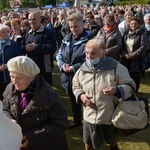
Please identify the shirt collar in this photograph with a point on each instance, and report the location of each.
(39, 30)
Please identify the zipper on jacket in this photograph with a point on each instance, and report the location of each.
(94, 98)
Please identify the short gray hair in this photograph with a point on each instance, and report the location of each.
(128, 13)
(146, 16)
(76, 17)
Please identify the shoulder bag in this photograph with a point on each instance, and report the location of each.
(130, 114)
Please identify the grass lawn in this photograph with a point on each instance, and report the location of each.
(137, 141)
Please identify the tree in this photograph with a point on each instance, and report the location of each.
(4, 4)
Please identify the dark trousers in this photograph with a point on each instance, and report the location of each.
(76, 108)
(2, 88)
(136, 77)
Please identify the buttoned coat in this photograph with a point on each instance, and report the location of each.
(44, 119)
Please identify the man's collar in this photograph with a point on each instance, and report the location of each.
(39, 30)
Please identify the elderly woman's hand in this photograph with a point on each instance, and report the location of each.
(110, 90)
(25, 142)
(85, 98)
(127, 56)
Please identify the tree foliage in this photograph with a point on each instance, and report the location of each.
(4, 4)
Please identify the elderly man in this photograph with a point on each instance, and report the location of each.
(124, 25)
(40, 44)
(34, 105)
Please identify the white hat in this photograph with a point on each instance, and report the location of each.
(24, 65)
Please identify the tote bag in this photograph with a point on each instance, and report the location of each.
(130, 114)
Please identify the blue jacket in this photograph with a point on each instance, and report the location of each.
(8, 50)
(45, 42)
(71, 52)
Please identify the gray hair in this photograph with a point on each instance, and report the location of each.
(3, 26)
(76, 17)
(146, 16)
(128, 13)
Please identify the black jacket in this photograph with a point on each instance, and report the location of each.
(44, 119)
(45, 41)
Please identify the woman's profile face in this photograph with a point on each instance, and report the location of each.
(134, 25)
(20, 81)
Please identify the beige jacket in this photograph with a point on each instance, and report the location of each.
(91, 81)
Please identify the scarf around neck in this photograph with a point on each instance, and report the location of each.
(107, 29)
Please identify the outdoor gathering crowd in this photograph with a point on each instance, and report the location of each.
(101, 52)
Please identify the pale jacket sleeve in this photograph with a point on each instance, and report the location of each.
(76, 87)
(122, 80)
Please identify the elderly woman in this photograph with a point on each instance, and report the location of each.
(70, 57)
(96, 84)
(8, 50)
(32, 103)
(111, 37)
(124, 25)
(133, 48)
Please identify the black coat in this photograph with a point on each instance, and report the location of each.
(44, 119)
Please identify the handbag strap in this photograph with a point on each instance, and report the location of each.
(136, 97)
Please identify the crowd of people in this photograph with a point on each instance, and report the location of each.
(98, 51)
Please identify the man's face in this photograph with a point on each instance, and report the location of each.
(35, 21)
(76, 27)
(20, 81)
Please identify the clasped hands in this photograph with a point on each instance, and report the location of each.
(30, 47)
(67, 68)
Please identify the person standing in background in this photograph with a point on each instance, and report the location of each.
(8, 50)
(39, 44)
(70, 57)
(133, 48)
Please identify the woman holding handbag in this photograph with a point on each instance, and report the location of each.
(95, 85)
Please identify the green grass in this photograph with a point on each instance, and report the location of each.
(137, 141)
